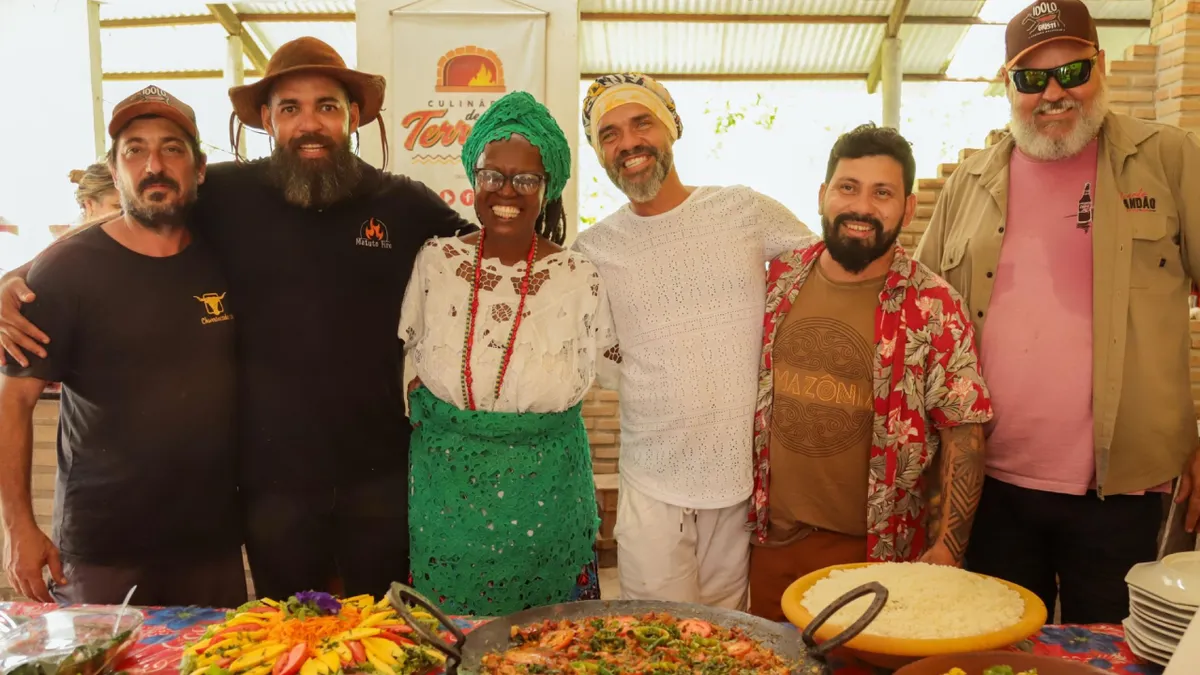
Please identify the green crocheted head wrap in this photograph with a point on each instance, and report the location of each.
(519, 113)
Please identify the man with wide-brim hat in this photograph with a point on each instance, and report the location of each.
(1072, 241)
(318, 246)
(308, 55)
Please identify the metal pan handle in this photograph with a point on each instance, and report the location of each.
(400, 595)
(820, 650)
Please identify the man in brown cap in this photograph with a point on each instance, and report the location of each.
(319, 246)
(144, 346)
(1071, 240)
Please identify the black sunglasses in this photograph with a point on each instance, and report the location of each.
(1069, 76)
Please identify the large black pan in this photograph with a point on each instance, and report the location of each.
(464, 656)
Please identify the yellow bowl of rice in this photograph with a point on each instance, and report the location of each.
(931, 610)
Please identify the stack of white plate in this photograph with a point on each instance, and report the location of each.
(1164, 598)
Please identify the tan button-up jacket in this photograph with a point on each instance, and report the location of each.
(1145, 249)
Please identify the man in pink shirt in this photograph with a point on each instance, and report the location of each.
(1071, 241)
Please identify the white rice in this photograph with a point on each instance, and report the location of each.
(924, 601)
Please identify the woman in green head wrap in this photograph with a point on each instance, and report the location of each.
(507, 331)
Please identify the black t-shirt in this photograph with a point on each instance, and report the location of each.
(319, 290)
(144, 347)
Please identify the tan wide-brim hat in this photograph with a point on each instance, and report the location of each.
(309, 55)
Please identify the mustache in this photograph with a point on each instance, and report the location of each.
(311, 139)
(158, 179)
(1061, 105)
(843, 218)
(639, 150)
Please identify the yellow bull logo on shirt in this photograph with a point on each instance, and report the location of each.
(213, 307)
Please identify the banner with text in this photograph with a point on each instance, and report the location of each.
(447, 69)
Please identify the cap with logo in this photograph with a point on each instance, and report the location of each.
(1046, 21)
(153, 101)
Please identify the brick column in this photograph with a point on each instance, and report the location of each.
(1132, 82)
(1175, 30)
(601, 416)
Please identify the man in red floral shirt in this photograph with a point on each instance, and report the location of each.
(868, 381)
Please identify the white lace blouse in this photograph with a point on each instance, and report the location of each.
(564, 342)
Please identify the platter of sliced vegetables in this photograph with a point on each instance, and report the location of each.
(313, 634)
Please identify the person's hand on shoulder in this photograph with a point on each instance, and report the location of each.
(17, 335)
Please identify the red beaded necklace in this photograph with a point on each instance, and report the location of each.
(468, 381)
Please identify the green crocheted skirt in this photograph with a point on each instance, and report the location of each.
(502, 506)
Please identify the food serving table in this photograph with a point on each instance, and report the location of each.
(168, 630)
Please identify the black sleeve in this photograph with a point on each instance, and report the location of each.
(440, 219)
(54, 311)
(218, 179)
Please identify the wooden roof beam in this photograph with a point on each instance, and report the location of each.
(161, 75)
(895, 20)
(817, 19)
(325, 17)
(233, 25)
(798, 77)
(202, 19)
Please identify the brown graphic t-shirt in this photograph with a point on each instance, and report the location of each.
(823, 409)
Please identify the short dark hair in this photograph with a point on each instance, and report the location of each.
(868, 140)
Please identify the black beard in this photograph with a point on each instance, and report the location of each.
(314, 183)
(854, 255)
(155, 215)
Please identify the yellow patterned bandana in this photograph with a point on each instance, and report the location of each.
(612, 91)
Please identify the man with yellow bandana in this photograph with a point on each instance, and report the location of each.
(685, 272)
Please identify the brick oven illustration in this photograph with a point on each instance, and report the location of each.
(470, 69)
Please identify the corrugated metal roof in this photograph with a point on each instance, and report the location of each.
(339, 35)
(712, 48)
(158, 48)
(1003, 10)
(775, 7)
(1120, 9)
(144, 9)
(945, 7)
(294, 7)
(686, 48)
(927, 49)
(127, 9)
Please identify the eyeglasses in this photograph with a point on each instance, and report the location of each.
(488, 180)
(1069, 76)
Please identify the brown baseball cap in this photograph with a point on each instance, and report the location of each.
(1045, 21)
(153, 100)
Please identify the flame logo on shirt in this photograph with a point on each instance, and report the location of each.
(373, 234)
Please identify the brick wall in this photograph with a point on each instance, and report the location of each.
(602, 417)
(1132, 82)
(1175, 30)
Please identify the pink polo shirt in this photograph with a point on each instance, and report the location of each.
(1036, 347)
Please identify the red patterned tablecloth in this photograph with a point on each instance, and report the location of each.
(167, 630)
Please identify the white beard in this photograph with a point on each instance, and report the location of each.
(1034, 143)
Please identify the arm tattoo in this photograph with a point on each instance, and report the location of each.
(962, 484)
